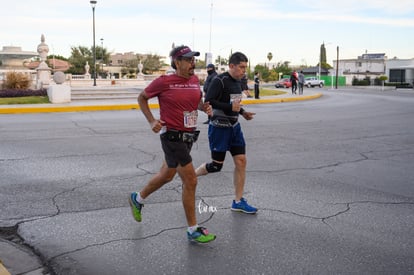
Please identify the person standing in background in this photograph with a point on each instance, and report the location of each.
(211, 74)
(301, 81)
(256, 85)
(294, 81)
(244, 86)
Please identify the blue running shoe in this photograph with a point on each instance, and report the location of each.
(242, 206)
(135, 206)
(201, 235)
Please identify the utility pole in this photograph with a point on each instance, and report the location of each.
(193, 33)
(211, 19)
(337, 64)
(320, 60)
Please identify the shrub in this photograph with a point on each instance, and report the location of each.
(21, 93)
(358, 82)
(404, 85)
(383, 77)
(399, 84)
(380, 80)
(355, 81)
(16, 80)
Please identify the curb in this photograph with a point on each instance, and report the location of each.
(52, 109)
(281, 100)
(117, 107)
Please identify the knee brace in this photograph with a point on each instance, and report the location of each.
(214, 167)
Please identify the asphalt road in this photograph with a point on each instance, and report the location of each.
(332, 177)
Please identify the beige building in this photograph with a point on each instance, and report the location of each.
(121, 59)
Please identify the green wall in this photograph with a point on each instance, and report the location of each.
(328, 79)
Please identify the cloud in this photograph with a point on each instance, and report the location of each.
(251, 26)
(379, 12)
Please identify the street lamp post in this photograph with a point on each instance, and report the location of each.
(93, 4)
(102, 57)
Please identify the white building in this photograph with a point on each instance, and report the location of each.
(370, 65)
(400, 70)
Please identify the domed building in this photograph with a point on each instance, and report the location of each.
(13, 58)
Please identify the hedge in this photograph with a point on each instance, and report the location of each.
(21, 93)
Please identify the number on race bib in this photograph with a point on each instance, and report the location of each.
(190, 119)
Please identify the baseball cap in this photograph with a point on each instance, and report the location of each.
(185, 52)
(210, 66)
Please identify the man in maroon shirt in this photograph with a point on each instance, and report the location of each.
(179, 97)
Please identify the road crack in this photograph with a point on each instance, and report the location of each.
(346, 208)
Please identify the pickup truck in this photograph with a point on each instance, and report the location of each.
(314, 81)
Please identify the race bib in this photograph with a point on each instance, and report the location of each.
(235, 97)
(190, 119)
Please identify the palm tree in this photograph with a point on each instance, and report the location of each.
(269, 56)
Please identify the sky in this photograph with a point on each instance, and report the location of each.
(291, 30)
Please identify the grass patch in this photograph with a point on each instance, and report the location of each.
(24, 100)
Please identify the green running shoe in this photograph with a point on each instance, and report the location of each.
(135, 206)
(201, 235)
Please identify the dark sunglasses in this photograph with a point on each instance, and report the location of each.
(188, 59)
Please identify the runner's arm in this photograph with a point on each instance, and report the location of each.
(143, 104)
(214, 96)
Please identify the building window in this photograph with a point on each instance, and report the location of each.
(397, 75)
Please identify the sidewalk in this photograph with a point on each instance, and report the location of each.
(128, 104)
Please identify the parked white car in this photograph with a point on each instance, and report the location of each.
(314, 81)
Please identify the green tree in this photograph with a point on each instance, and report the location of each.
(283, 67)
(263, 72)
(102, 57)
(383, 77)
(269, 56)
(129, 68)
(324, 64)
(81, 54)
(57, 57)
(200, 64)
(151, 62)
(78, 58)
(323, 54)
